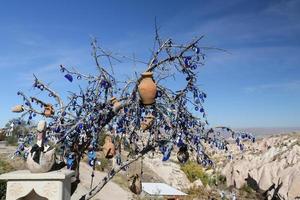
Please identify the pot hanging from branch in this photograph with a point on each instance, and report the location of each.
(136, 184)
(48, 110)
(183, 154)
(116, 104)
(109, 148)
(147, 88)
(17, 109)
(147, 122)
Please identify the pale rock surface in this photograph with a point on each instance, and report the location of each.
(169, 171)
(277, 164)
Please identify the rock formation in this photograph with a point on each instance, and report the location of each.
(272, 166)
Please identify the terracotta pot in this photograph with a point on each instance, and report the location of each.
(116, 104)
(49, 111)
(136, 185)
(147, 123)
(17, 109)
(109, 148)
(147, 88)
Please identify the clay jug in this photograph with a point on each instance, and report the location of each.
(109, 148)
(116, 104)
(147, 88)
(147, 122)
(136, 185)
(49, 111)
(17, 109)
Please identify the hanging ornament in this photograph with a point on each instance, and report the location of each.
(69, 77)
(147, 122)
(109, 148)
(116, 104)
(91, 158)
(183, 154)
(17, 109)
(70, 161)
(136, 184)
(48, 110)
(147, 89)
(167, 152)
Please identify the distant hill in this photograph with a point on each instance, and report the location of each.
(261, 132)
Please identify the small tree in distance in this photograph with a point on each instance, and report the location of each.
(143, 112)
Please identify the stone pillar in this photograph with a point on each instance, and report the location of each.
(23, 185)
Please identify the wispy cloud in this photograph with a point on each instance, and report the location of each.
(286, 86)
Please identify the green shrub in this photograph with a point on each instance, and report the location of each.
(105, 164)
(247, 189)
(12, 140)
(193, 171)
(4, 167)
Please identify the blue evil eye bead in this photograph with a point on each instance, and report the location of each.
(62, 69)
(194, 67)
(91, 163)
(92, 155)
(69, 77)
(197, 50)
(57, 129)
(196, 108)
(241, 147)
(179, 142)
(166, 156)
(70, 162)
(158, 93)
(187, 60)
(26, 154)
(118, 159)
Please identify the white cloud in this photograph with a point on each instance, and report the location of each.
(293, 85)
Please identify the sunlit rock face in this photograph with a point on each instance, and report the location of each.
(274, 168)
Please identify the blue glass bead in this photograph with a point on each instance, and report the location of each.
(69, 77)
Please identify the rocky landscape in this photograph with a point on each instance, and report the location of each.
(270, 166)
(266, 169)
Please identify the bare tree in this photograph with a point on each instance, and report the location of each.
(173, 117)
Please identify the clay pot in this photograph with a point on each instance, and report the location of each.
(147, 123)
(49, 111)
(17, 109)
(109, 148)
(136, 185)
(47, 160)
(183, 154)
(116, 104)
(147, 88)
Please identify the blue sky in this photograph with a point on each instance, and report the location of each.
(257, 84)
